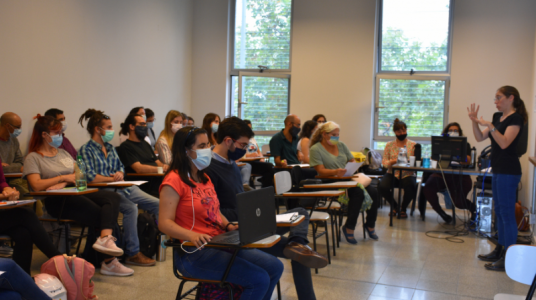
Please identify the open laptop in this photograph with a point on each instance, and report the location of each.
(256, 218)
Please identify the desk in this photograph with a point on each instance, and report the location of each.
(239, 164)
(264, 243)
(22, 203)
(456, 171)
(147, 174)
(13, 175)
(337, 177)
(333, 185)
(64, 192)
(107, 184)
(289, 167)
(250, 159)
(295, 223)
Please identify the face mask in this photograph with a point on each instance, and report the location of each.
(150, 125)
(454, 133)
(294, 131)
(108, 136)
(204, 156)
(334, 140)
(63, 126)
(57, 140)
(401, 137)
(141, 132)
(215, 128)
(175, 127)
(144, 118)
(16, 132)
(236, 154)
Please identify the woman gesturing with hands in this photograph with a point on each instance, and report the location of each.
(504, 132)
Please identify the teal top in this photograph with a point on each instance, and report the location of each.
(318, 155)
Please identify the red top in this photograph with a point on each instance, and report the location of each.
(206, 205)
(3, 183)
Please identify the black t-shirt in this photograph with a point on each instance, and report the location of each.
(132, 152)
(505, 161)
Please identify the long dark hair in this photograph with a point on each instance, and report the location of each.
(316, 117)
(398, 125)
(180, 163)
(518, 104)
(95, 119)
(130, 120)
(307, 129)
(135, 110)
(446, 129)
(43, 124)
(209, 118)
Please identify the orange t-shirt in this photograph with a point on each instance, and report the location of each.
(206, 205)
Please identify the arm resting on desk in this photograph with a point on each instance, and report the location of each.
(139, 168)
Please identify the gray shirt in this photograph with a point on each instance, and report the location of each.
(48, 167)
(318, 155)
(10, 154)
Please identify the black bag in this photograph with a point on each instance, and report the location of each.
(148, 234)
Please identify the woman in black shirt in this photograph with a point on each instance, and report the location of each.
(504, 132)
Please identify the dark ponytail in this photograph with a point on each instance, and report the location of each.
(95, 118)
(518, 104)
(130, 120)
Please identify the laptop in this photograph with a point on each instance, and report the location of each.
(256, 218)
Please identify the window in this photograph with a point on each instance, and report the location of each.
(260, 77)
(412, 78)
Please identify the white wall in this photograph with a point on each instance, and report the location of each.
(108, 55)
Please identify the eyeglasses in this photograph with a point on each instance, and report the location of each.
(242, 145)
(16, 127)
(498, 98)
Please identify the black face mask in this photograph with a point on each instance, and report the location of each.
(236, 154)
(401, 137)
(141, 132)
(294, 131)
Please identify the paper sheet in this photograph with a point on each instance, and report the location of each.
(7, 203)
(286, 218)
(129, 182)
(351, 168)
(301, 165)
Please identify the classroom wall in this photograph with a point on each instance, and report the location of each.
(108, 55)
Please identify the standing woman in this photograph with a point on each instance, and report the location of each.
(172, 124)
(408, 182)
(504, 132)
(210, 123)
(190, 211)
(329, 158)
(305, 139)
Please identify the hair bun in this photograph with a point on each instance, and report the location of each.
(397, 120)
(37, 117)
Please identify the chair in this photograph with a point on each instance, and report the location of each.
(65, 224)
(520, 266)
(6, 252)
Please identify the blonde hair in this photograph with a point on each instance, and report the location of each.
(166, 132)
(326, 127)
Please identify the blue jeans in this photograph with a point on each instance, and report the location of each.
(17, 284)
(129, 208)
(245, 171)
(257, 272)
(504, 201)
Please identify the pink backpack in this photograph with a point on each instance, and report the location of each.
(75, 273)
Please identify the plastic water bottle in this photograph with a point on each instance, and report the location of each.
(80, 174)
(426, 160)
(402, 156)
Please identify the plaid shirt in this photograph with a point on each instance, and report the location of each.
(96, 163)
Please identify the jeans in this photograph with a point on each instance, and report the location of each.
(16, 284)
(257, 272)
(504, 200)
(245, 171)
(129, 208)
(408, 184)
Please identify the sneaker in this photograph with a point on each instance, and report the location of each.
(115, 268)
(107, 245)
(140, 260)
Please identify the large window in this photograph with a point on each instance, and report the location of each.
(260, 77)
(412, 78)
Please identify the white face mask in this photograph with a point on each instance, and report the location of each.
(63, 126)
(454, 133)
(175, 127)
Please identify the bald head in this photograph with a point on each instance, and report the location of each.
(10, 118)
(291, 119)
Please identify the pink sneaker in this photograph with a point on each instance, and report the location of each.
(115, 268)
(107, 245)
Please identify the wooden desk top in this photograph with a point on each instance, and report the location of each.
(295, 223)
(13, 175)
(333, 185)
(303, 166)
(532, 159)
(264, 243)
(336, 177)
(267, 155)
(64, 192)
(239, 164)
(105, 184)
(147, 174)
(250, 159)
(314, 194)
(24, 203)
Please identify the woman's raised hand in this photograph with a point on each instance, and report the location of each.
(473, 112)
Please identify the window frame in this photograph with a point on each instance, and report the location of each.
(232, 70)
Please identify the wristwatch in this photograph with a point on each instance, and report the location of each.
(493, 129)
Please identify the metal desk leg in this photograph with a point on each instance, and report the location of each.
(399, 194)
(391, 202)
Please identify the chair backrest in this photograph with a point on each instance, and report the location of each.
(265, 148)
(282, 182)
(520, 263)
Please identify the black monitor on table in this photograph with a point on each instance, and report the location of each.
(449, 148)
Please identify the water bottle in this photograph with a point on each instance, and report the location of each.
(426, 160)
(402, 156)
(80, 174)
(473, 157)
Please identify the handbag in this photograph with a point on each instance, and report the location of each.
(521, 217)
(367, 202)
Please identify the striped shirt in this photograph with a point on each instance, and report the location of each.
(97, 163)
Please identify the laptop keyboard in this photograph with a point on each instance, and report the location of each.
(230, 240)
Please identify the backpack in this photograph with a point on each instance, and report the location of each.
(148, 234)
(209, 291)
(75, 273)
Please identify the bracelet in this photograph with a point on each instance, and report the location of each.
(493, 129)
(227, 226)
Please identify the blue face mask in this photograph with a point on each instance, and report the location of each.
(334, 140)
(204, 156)
(215, 128)
(108, 136)
(57, 140)
(144, 118)
(16, 132)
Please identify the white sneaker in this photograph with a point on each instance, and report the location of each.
(115, 268)
(107, 245)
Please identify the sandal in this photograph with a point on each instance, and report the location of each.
(403, 215)
(372, 234)
(393, 213)
(349, 237)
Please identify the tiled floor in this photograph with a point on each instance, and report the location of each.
(403, 264)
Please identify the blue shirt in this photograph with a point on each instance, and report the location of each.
(280, 146)
(97, 163)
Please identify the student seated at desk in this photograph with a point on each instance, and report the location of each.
(149, 114)
(48, 168)
(436, 184)
(172, 124)
(66, 144)
(233, 137)
(408, 182)
(103, 165)
(260, 167)
(139, 110)
(305, 139)
(136, 155)
(190, 211)
(320, 119)
(23, 227)
(191, 121)
(329, 157)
